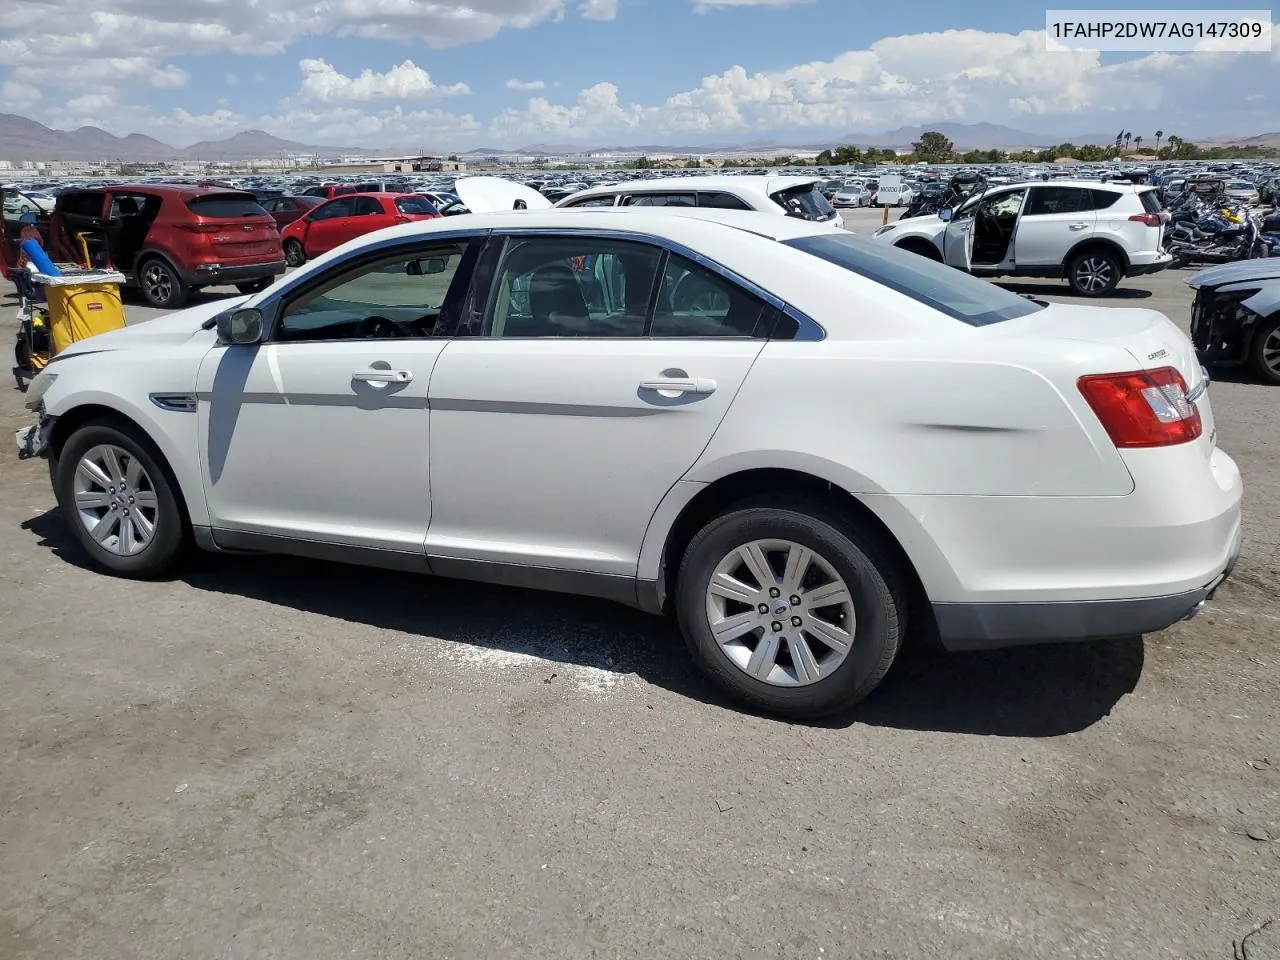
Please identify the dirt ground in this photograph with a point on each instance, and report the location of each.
(271, 758)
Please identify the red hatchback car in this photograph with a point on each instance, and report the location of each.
(344, 218)
(169, 240)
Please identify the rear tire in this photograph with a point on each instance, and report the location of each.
(120, 500)
(294, 255)
(1094, 273)
(255, 286)
(790, 663)
(161, 285)
(1264, 351)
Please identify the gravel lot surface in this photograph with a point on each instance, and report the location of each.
(278, 758)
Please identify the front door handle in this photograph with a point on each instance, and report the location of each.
(383, 376)
(697, 385)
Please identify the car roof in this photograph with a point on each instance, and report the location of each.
(181, 189)
(763, 183)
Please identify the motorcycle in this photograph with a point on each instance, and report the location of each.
(1215, 239)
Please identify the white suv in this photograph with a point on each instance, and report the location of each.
(790, 196)
(1088, 232)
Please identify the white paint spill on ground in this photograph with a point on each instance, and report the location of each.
(575, 670)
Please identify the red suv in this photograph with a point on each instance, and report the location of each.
(169, 240)
(344, 218)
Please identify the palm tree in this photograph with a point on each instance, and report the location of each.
(1174, 141)
(1137, 143)
(1159, 134)
(1127, 137)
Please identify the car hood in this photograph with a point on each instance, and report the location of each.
(1263, 268)
(494, 195)
(170, 330)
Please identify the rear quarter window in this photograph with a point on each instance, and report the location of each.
(1102, 199)
(226, 206)
(1150, 201)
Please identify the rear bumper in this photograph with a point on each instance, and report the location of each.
(987, 626)
(214, 274)
(1161, 262)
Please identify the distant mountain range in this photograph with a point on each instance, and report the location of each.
(25, 139)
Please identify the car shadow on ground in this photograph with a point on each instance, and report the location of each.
(1041, 691)
(1063, 290)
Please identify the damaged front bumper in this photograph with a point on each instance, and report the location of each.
(33, 441)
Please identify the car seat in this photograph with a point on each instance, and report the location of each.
(556, 305)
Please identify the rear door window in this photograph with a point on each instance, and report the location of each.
(660, 200)
(226, 206)
(1048, 200)
(722, 201)
(365, 207)
(696, 302)
(606, 201)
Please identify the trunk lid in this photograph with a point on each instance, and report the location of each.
(235, 226)
(494, 194)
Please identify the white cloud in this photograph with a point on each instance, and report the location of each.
(18, 96)
(702, 6)
(514, 84)
(954, 75)
(598, 9)
(408, 81)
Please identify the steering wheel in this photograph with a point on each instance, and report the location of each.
(375, 327)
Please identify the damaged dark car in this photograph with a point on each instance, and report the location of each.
(1235, 318)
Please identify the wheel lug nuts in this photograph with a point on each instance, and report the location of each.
(775, 592)
(763, 608)
(796, 621)
(795, 600)
(777, 627)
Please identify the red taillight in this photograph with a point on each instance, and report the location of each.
(195, 227)
(1146, 408)
(1150, 219)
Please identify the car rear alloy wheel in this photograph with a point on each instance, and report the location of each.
(161, 286)
(120, 499)
(790, 607)
(780, 612)
(116, 500)
(1094, 274)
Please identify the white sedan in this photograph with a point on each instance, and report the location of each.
(800, 443)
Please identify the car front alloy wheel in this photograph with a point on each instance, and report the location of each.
(120, 500)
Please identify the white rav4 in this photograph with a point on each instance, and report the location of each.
(1093, 234)
(798, 441)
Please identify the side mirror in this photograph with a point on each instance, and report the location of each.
(425, 268)
(946, 214)
(240, 326)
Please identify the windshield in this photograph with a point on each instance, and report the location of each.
(958, 295)
(416, 206)
(805, 202)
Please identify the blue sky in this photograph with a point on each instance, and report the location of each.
(441, 74)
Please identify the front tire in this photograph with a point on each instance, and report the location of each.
(789, 608)
(1264, 352)
(161, 286)
(294, 255)
(1094, 273)
(120, 500)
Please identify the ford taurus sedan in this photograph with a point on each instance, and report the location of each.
(799, 443)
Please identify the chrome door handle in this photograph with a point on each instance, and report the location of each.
(383, 376)
(698, 385)
(1078, 226)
